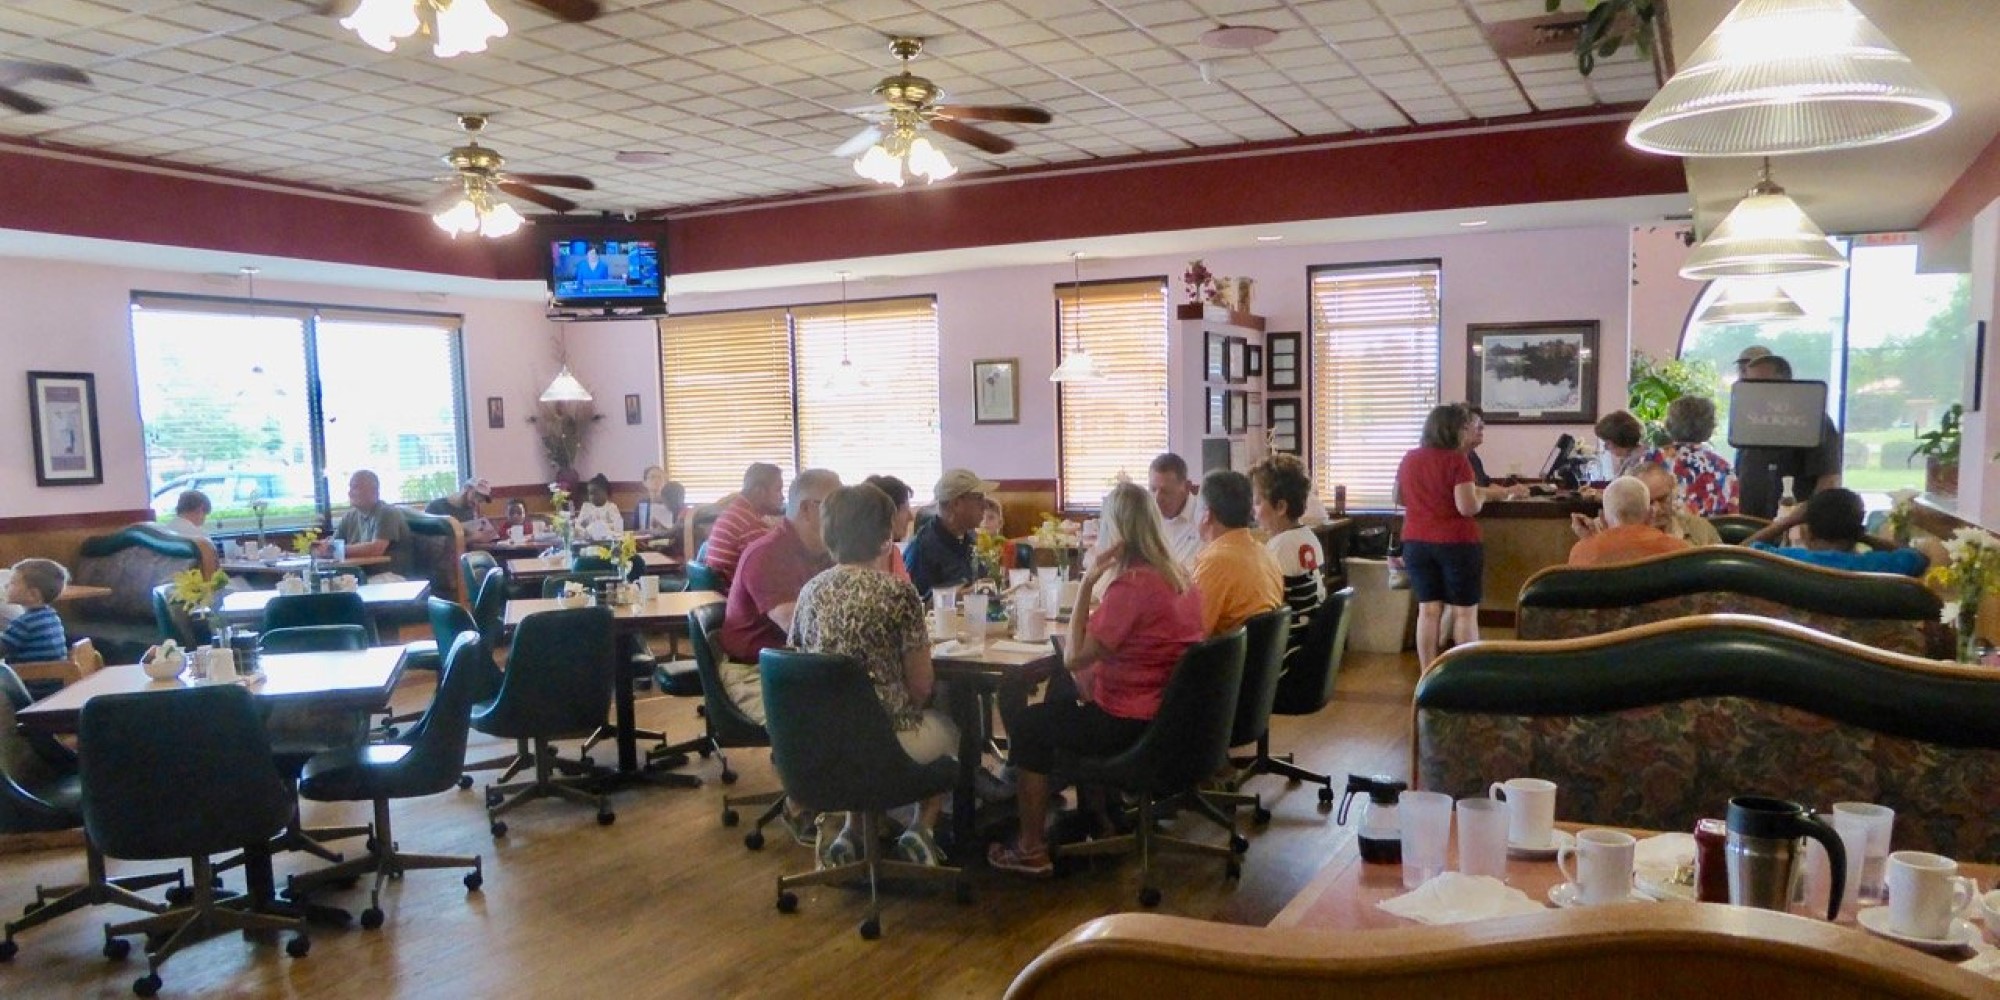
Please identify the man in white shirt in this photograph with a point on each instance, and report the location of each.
(1180, 506)
(190, 515)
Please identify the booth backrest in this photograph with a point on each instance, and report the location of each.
(1896, 613)
(132, 561)
(439, 542)
(1658, 726)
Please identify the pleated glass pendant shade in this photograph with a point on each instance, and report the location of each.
(1740, 301)
(1766, 234)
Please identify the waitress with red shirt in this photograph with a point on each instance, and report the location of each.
(1442, 553)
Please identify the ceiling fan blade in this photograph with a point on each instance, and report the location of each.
(1025, 114)
(859, 144)
(972, 135)
(21, 102)
(12, 70)
(555, 180)
(554, 203)
(570, 10)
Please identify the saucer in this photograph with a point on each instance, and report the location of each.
(1875, 920)
(1566, 895)
(1541, 852)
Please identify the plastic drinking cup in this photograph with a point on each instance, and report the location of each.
(1482, 837)
(1426, 818)
(1880, 822)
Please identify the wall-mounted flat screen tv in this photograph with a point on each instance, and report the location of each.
(594, 271)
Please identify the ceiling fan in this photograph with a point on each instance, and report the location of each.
(454, 26)
(468, 205)
(13, 71)
(910, 106)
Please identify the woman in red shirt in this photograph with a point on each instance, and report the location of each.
(1441, 548)
(1119, 659)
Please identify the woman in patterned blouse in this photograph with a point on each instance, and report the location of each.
(857, 610)
(1708, 483)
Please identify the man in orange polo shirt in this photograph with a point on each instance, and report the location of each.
(1236, 575)
(1629, 533)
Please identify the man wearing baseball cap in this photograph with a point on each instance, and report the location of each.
(941, 553)
(463, 507)
(1751, 353)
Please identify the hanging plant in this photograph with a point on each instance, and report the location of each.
(1608, 25)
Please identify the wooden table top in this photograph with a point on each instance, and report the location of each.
(358, 679)
(250, 603)
(81, 592)
(540, 566)
(295, 564)
(664, 610)
(995, 661)
(1343, 896)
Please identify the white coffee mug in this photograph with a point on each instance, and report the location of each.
(1926, 893)
(1531, 811)
(1603, 866)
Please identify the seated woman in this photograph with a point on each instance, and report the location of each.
(1708, 484)
(597, 517)
(1622, 438)
(662, 503)
(899, 525)
(857, 610)
(1120, 658)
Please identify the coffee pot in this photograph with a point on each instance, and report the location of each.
(1379, 833)
(1766, 852)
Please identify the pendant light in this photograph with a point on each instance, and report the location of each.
(1748, 301)
(1789, 76)
(565, 388)
(1077, 365)
(845, 376)
(1766, 234)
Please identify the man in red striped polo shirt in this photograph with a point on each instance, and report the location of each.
(745, 520)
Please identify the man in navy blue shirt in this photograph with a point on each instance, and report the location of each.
(941, 553)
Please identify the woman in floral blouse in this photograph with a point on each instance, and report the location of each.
(1708, 483)
(857, 610)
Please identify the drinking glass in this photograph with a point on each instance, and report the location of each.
(975, 619)
(1426, 820)
(1482, 837)
(1880, 822)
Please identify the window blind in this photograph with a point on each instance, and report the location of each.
(1115, 426)
(878, 413)
(727, 390)
(1375, 340)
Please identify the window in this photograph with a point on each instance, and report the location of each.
(281, 402)
(1892, 345)
(1375, 342)
(768, 385)
(1115, 426)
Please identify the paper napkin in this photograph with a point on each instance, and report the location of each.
(1455, 898)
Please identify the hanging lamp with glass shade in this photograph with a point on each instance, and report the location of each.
(1789, 76)
(845, 375)
(1077, 365)
(564, 388)
(1749, 301)
(1766, 234)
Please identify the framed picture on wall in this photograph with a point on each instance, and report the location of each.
(1215, 357)
(996, 391)
(62, 416)
(631, 408)
(1218, 411)
(1253, 360)
(1284, 366)
(1239, 411)
(1533, 373)
(496, 412)
(1256, 408)
(1237, 362)
(1282, 416)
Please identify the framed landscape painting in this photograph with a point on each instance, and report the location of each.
(1533, 373)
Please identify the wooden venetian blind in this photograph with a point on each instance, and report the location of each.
(1115, 426)
(1375, 339)
(879, 413)
(726, 382)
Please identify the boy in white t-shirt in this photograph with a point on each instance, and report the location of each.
(1280, 488)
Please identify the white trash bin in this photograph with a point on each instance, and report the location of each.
(1378, 618)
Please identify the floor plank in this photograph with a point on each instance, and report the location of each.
(667, 902)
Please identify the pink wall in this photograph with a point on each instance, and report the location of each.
(1661, 299)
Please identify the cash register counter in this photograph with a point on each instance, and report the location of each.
(1522, 538)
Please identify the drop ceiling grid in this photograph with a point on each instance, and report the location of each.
(757, 86)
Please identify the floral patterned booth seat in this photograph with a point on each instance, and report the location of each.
(1896, 613)
(1658, 726)
(131, 561)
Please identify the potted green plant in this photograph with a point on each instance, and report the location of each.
(1940, 450)
(1608, 25)
(1652, 386)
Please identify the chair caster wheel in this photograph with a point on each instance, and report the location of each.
(606, 818)
(116, 949)
(1326, 798)
(1261, 816)
(493, 798)
(1149, 897)
(179, 895)
(729, 817)
(371, 918)
(729, 777)
(499, 829)
(146, 985)
(8, 950)
(390, 732)
(705, 753)
(871, 929)
(464, 782)
(1233, 871)
(474, 881)
(788, 902)
(754, 840)
(1238, 844)
(300, 946)
(586, 761)
(368, 845)
(961, 893)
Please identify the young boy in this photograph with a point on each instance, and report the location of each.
(37, 635)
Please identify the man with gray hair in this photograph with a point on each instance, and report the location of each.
(1628, 532)
(372, 527)
(764, 593)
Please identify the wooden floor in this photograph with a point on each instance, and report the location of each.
(668, 903)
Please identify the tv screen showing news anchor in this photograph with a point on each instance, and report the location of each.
(605, 269)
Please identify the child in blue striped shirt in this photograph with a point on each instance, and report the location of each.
(37, 635)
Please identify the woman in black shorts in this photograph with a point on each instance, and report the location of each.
(1441, 549)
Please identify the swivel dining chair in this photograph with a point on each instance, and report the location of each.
(296, 734)
(728, 727)
(326, 608)
(427, 760)
(1182, 747)
(1265, 637)
(472, 569)
(834, 746)
(40, 791)
(557, 685)
(635, 660)
(181, 773)
(1304, 689)
(489, 607)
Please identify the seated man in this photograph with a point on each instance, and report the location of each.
(1236, 576)
(1831, 523)
(1628, 533)
(941, 553)
(191, 515)
(374, 528)
(764, 594)
(744, 521)
(463, 507)
(1668, 513)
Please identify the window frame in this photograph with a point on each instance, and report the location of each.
(1088, 501)
(1318, 368)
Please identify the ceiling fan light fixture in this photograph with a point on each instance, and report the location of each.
(460, 218)
(479, 212)
(881, 166)
(928, 161)
(381, 23)
(465, 26)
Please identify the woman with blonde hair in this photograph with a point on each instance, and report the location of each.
(1119, 658)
